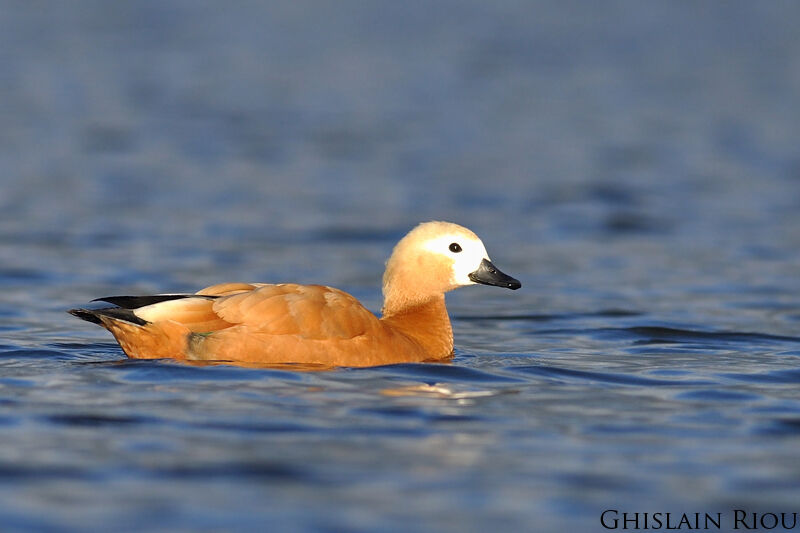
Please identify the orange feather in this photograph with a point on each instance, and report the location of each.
(313, 324)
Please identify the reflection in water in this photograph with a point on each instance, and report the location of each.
(291, 367)
(438, 390)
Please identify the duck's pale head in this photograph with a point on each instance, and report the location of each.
(436, 257)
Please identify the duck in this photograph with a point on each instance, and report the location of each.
(289, 323)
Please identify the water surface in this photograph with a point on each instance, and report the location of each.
(634, 165)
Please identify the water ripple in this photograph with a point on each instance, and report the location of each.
(566, 374)
(435, 373)
(785, 376)
(96, 420)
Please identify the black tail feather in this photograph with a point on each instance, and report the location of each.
(126, 306)
(86, 314)
(135, 302)
(93, 315)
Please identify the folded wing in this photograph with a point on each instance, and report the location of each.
(306, 311)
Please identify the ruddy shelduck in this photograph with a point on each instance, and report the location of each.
(312, 324)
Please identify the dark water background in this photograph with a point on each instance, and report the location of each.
(635, 164)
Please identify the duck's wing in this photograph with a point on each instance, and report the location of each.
(244, 322)
(194, 311)
(305, 311)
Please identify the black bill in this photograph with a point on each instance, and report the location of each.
(488, 274)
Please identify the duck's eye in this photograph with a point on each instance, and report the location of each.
(455, 247)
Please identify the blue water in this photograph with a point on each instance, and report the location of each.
(634, 164)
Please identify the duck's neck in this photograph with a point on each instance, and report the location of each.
(426, 322)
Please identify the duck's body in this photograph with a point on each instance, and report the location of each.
(312, 324)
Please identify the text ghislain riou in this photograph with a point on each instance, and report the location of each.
(735, 519)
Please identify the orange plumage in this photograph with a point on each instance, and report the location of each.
(312, 324)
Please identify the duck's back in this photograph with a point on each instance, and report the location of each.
(276, 323)
(307, 311)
